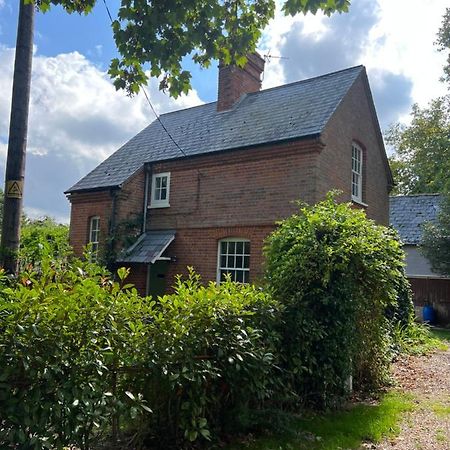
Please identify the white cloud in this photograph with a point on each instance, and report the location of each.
(408, 29)
(394, 40)
(77, 119)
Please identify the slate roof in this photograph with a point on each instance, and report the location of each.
(408, 213)
(291, 111)
(148, 248)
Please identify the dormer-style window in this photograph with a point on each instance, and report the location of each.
(94, 236)
(357, 173)
(160, 190)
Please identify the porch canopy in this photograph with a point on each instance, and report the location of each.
(148, 248)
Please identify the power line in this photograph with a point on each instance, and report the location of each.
(160, 121)
(148, 99)
(107, 10)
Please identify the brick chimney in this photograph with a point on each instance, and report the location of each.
(235, 81)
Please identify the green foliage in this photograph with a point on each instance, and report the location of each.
(125, 234)
(2, 201)
(421, 163)
(215, 351)
(415, 339)
(61, 330)
(436, 239)
(163, 33)
(443, 42)
(333, 269)
(42, 238)
(77, 350)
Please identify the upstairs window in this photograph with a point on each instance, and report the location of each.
(160, 190)
(234, 260)
(357, 165)
(94, 236)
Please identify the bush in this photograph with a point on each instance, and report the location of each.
(215, 353)
(336, 273)
(61, 330)
(78, 350)
(40, 238)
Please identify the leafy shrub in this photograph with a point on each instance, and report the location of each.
(78, 350)
(336, 273)
(41, 238)
(214, 349)
(61, 329)
(415, 339)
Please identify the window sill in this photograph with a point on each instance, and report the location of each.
(359, 203)
(165, 205)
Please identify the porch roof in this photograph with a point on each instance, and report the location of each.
(148, 248)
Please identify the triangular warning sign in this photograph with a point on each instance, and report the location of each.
(14, 188)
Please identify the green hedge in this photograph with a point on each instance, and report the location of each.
(181, 361)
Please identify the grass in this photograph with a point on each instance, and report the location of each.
(344, 429)
(419, 339)
(442, 334)
(440, 436)
(441, 409)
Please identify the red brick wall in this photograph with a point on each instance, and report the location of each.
(130, 200)
(235, 81)
(138, 277)
(84, 206)
(245, 187)
(353, 121)
(129, 207)
(198, 248)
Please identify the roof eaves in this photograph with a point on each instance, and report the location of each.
(112, 187)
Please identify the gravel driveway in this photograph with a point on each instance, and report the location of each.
(427, 378)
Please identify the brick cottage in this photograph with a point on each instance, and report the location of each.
(239, 163)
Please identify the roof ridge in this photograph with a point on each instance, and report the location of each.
(307, 80)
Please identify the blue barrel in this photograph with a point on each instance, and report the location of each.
(428, 314)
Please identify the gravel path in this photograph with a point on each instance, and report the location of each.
(427, 378)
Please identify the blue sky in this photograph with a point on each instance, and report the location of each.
(77, 118)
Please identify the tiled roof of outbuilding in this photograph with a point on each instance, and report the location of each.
(408, 213)
(290, 111)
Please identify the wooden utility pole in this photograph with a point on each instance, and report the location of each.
(17, 143)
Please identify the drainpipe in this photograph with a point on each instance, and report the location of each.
(148, 177)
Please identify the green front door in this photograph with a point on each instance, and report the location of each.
(156, 281)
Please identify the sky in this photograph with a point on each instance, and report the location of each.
(77, 118)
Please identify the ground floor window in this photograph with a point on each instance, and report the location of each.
(234, 259)
(94, 235)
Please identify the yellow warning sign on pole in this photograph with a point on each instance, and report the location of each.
(14, 188)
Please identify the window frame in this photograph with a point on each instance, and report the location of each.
(243, 255)
(94, 236)
(358, 197)
(158, 203)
